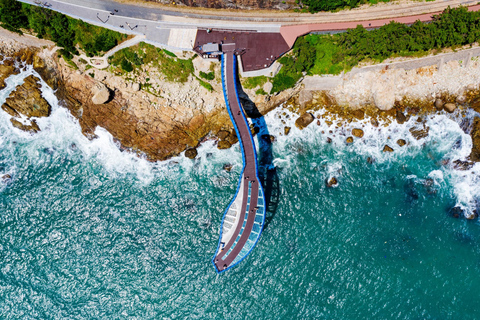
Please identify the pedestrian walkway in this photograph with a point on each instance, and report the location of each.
(243, 220)
(102, 62)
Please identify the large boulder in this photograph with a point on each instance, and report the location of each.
(304, 120)
(223, 134)
(357, 133)
(27, 100)
(439, 104)
(449, 107)
(400, 117)
(387, 148)
(101, 94)
(191, 153)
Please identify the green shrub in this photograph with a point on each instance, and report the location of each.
(12, 16)
(208, 76)
(126, 65)
(174, 69)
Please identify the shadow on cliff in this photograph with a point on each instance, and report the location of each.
(267, 171)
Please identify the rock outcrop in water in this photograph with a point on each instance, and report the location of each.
(475, 134)
(6, 70)
(27, 101)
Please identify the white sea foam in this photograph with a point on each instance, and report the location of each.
(61, 131)
(445, 137)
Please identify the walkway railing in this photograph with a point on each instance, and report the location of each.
(245, 214)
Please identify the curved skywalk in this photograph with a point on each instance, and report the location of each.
(243, 220)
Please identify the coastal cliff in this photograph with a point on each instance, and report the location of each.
(158, 118)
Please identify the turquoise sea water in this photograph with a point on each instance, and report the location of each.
(90, 232)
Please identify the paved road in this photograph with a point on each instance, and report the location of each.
(146, 10)
(168, 27)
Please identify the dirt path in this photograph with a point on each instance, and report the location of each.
(102, 62)
(25, 39)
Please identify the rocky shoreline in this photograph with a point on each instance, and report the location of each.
(167, 118)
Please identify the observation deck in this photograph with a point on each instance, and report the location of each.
(243, 220)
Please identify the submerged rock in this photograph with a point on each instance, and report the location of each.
(455, 212)
(191, 153)
(462, 165)
(269, 138)
(332, 182)
(471, 216)
(304, 120)
(419, 133)
(227, 167)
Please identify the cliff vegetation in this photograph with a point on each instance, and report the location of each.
(332, 54)
(66, 32)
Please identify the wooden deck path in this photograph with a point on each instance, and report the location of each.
(251, 215)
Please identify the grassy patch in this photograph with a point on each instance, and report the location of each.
(253, 82)
(69, 61)
(174, 69)
(261, 91)
(204, 84)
